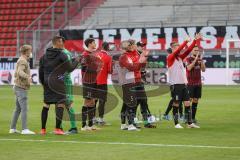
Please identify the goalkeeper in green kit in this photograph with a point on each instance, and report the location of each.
(69, 94)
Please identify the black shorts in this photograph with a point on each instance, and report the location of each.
(89, 90)
(102, 92)
(195, 91)
(129, 95)
(179, 92)
(52, 96)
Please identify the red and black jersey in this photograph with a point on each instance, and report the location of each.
(130, 61)
(194, 75)
(91, 65)
(106, 67)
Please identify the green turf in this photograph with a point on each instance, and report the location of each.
(218, 115)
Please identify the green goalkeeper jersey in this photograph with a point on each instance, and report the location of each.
(67, 76)
(68, 80)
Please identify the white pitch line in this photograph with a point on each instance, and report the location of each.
(123, 143)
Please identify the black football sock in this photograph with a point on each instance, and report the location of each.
(101, 108)
(194, 110)
(130, 114)
(170, 106)
(144, 113)
(44, 117)
(95, 108)
(123, 113)
(181, 109)
(59, 116)
(135, 110)
(188, 114)
(91, 113)
(84, 116)
(147, 108)
(175, 114)
(144, 110)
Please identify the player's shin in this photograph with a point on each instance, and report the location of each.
(91, 114)
(194, 110)
(44, 116)
(123, 113)
(169, 108)
(181, 109)
(84, 116)
(59, 115)
(72, 117)
(175, 114)
(101, 108)
(188, 115)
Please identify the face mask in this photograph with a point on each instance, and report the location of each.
(112, 47)
(30, 55)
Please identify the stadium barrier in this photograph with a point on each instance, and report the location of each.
(212, 76)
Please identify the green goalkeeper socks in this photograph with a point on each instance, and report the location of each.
(72, 118)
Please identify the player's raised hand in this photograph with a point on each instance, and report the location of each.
(143, 56)
(188, 38)
(146, 53)
(198, 36)
(197, 56)
(201, 56)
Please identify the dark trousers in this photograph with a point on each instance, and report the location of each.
(102, 98)
(129, 103)
(142, 101)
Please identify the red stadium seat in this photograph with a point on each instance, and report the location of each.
(59, 10)
(17, 15)
(1, 52)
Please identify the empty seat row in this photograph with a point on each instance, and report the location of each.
(27, 11)
(8, 42)
(26, 5)
(14, 23)
(11, 29)
(7, 53)
(22, 17)
(7, 49)
(8, 36)
(25, 1)
(17, 15)
(20, 23)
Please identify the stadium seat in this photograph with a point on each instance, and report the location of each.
(115, 12)
(17, 15)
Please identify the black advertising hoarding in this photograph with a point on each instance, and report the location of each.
(156, 38)
(10, 63)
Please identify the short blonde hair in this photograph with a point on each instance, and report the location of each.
(24, 48)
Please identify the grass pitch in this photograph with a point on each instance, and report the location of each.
(218, 138)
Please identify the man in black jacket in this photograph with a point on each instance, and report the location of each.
(52, 67)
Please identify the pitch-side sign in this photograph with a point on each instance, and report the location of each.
(155, 76)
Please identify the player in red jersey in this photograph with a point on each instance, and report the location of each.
(131, 63)
(178, 80)
(102, 77)
(195, 65)
(91, 65)
(170, 104)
